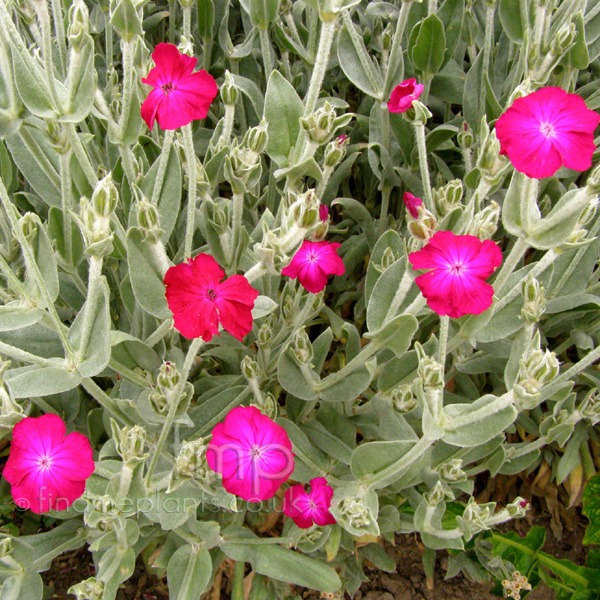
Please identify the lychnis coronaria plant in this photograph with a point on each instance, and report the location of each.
(280, 279)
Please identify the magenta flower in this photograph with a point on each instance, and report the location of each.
(403, 95)
(313, 263)
(199, 300)
(308, 508)
(46, 469)
(412, 204)
(179, 96)
(460, 264)
(547, 129)
(323, 212)
(252, 452)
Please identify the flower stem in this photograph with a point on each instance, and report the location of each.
(316, 81)
(67, 202)
(422, 149)
(227, 126)
(162, 165)
(93, 289)
(81, 154)
(386, 191)
(190, 158)
(163, 329)
(538, 268)
(175, 400)
(108, 39)
(127, 49)
(487, 48)
(443, 341)
(266, 50)
(187, 23)
(256, 272)
(358, 361)
(479, 414)
(516, 253)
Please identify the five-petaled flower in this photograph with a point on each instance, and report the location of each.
(199, 300)
(46, 469)
(460, 264)
(306, 508)
(547, 129)
(403, 95)
(412, 204)
(252, 452)
(179, 95)
(313, 263)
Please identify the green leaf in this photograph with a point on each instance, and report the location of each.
(263, 12)
(372, 457)
(283, 109)
(304, 449)
(578, 56)
(126, 21)
(205, 16)
(25, 382)
(189, 573)
(430, 45)
(509, 12)
(169, 199)
(358, 213)
(390, 239)
(214, 408)
(146, 275)
(263, 306)
(25, 585)
(37, 161)
(472, 108)
(55, 232)
(31, 86)
(15, 316)
(80, 84)
(397, 334)
(451, 14)
(358, 65)
(301, 383)
(591, 509)
(94, 352)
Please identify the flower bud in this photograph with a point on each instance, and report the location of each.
(335, 151)
(564, 39)
(403, 399)
(537, 369)
(168, 377)
(267, 405)
(518, 507)
(257, 137)
(249, 368)
(229, 91)
(354, 513)
(448, 197)
(417, 113)
(452, 471)
(387, 37)
(242, 169)
(590, 407)
(105, 197)
(191, 462)
(130, 442)
(534, 300)
(430, 370)
(492, 165)
(436, 495)
(423, 228)
(465, 136)
(79, 25)
(89, 589)
(320, 125)
(304, 212)
(302, 347)
(29, 224)
(6, 547)
(485, 222)
(265, 334)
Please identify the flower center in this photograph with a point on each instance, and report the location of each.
(457, 269)
(256, 452)
(547, 129)
(312, 505)
(312, 257)
(45, 463)
(168, 87)
(211, 294)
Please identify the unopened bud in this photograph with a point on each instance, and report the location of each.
(403, 399)
(537, 369)
(534, 299)
(229, 91)
(424, 227)
(6, 547)
(356, 515)
(485, 222)
(387, 37)
(105, 197)
(191, 463)
(29, 224)
(564, 39)
(249, 368)
(452, 471)
(465, 136)
(320, 125)
(429, 370)
(302, 347)
(257, 137)
(417, 113)
(448, 197)
(79, 25)
(335, 151)
(436, 495)
(89, 589)
(168, 377)
(129, 442)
